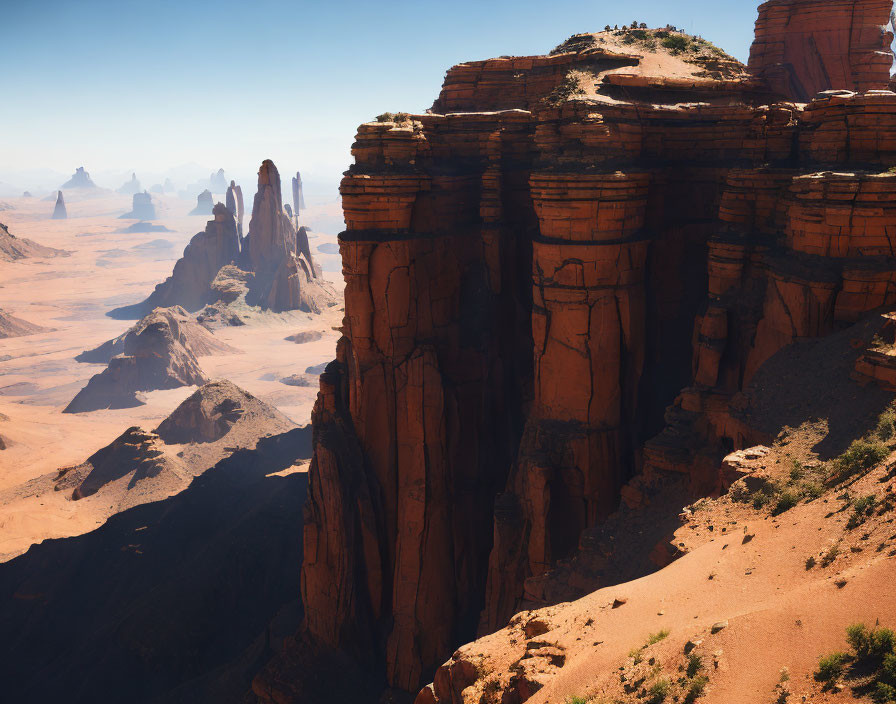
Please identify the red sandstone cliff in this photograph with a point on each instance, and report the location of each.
(803, 47)
(533, 271)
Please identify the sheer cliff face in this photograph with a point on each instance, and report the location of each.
(803, 47)
(533, 274)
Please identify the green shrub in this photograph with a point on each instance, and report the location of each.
(886, 424)
(787, 499)
(861, 456)
(888, 668)
(659, 690)
(576, 700)
(882, 643)
(830, 667)
(883, 693)
(676, 43)
(696, 688)
(796, 471)
(695, 664)
(830, 555)
(857, 636)
(657, 637)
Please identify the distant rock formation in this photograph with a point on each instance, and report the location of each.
(300, 338)
(286, 277)
(298, 195)
(272, 270)
(11, 326)
(152, 465)
(79, 179)
(190, 283)
(145, 227)
(204, 204)
(131, 187)
(234, 202)
(59, 212)
(136, 455)
(13, 248)
(156, 355)
(142, 208)
(217, 181)
(27, 194)
(215, 410)
(194, 337)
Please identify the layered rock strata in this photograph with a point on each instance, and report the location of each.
(803, 47)
(534, 270)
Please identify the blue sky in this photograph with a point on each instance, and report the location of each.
(150, 85)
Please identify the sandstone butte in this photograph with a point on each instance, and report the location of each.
(559, 280)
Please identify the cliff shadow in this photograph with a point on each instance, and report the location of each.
(182, 600)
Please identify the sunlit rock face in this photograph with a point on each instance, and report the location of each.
(803, 47)
(558, 283)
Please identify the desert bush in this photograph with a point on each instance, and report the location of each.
(830, 555)
(861, 509)
(676, 43)
(810, 562)
(576, 700)
(659, 690)
(787, 499)
(830, 667)
(696, 688)
(886, 425)
(861, 456)
(695, 664)
(657, 637)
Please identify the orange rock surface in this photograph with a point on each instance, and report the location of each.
(535, 269)
(803, 47)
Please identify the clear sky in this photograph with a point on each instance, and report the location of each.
(121, 85)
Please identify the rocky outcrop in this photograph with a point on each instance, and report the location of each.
(286, 275)
(141, 209)
(534, 271)
(193, 336)
(156, 354)
(190, 284)
(59, 212)
(131, 187)
(803, 47)
(79, 179)
(13, 248)
(234, 202)
(204, 204)
(11, 326)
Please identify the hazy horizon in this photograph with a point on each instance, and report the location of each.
(205, 85)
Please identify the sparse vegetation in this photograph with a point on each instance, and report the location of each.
(695, 664)
(810, 562)
(696, 688)
(657, 637)
(830, 667)
(659, 690)
(873, 660)
(862, 508)
(831, 554)
(676, 43)
(886, 425)
(570, 86)
(396, 117)
(576, 700)
(861, 456)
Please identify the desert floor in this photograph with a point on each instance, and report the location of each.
(71, 295)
